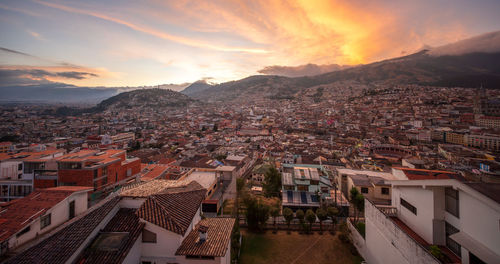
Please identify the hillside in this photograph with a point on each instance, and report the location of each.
(468, 70)
(145, 98)
(136, 99)
(196, 87)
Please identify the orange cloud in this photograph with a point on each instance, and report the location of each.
(153, 32)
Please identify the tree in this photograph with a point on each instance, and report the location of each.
(288, 214)
(275, 212)
(359, 203)
(310, 217)
(321, 214)
(256, 214)
(299, 214)
(333, 212)
(354, 198)
(240, 183)
(272, 182)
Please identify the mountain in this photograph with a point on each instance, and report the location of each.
(196, 87)
(137, 99)
(55, 92)
(468, 68)
(146, 98)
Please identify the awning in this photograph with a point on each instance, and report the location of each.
(476, 247)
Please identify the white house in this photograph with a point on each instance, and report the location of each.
(41, 211)
(462, 219)
(160, 227)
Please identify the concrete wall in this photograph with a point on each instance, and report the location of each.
(423, 200)
(479, 221)
(134, 255)
(387, 243)
(358, 240)
(59, 215)
(166, 243)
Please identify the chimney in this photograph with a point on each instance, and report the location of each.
(202, 230)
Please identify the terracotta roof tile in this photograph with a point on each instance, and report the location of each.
(218, 236)
(125, 220)
(60, 246)
(16, 215)
(172, 211)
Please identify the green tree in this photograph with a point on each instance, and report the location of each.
(310, 217)
(288, 214)
(275, 212)
(240, 183)
(321, 214)
(333, 212)
(272, 182)
(359, 203)
(352, 198)
(299, 214)
(256, 214)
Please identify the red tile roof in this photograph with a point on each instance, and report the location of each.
(172, 211)
(16, 215)
(153, 171)
(125, 220)
(59, 247)
(422, 174)
(218, 237)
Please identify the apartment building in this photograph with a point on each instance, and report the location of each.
(98, 169)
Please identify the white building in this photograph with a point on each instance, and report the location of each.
(461, 219)
(163, 227)
(41, 211)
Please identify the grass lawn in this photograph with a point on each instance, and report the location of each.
(294, 249)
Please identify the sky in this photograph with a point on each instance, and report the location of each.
(134, 43)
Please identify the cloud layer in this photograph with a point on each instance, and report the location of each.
(301, 70)
(152, 42)
(487, 43)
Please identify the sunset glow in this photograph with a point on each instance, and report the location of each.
(132, 43)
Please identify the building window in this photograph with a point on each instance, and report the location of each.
(148, 236)
(451, 201)
(304, 188)
(45, 221)
(450, 243)
(71, 209)
(20, 167)
(24, 231)
(408, 206)
(364, 190)
(105, 171)
(385, 190)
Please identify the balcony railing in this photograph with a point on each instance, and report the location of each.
(388, 210)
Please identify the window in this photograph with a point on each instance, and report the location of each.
(385, 190)
(450, 243)
(71, 209)
(45, 221)
(24, 231)
(148, 236)
(20, 166)
(105, 171)
(364, 190)
(408, 206)
(303, 188)
(451, 201)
